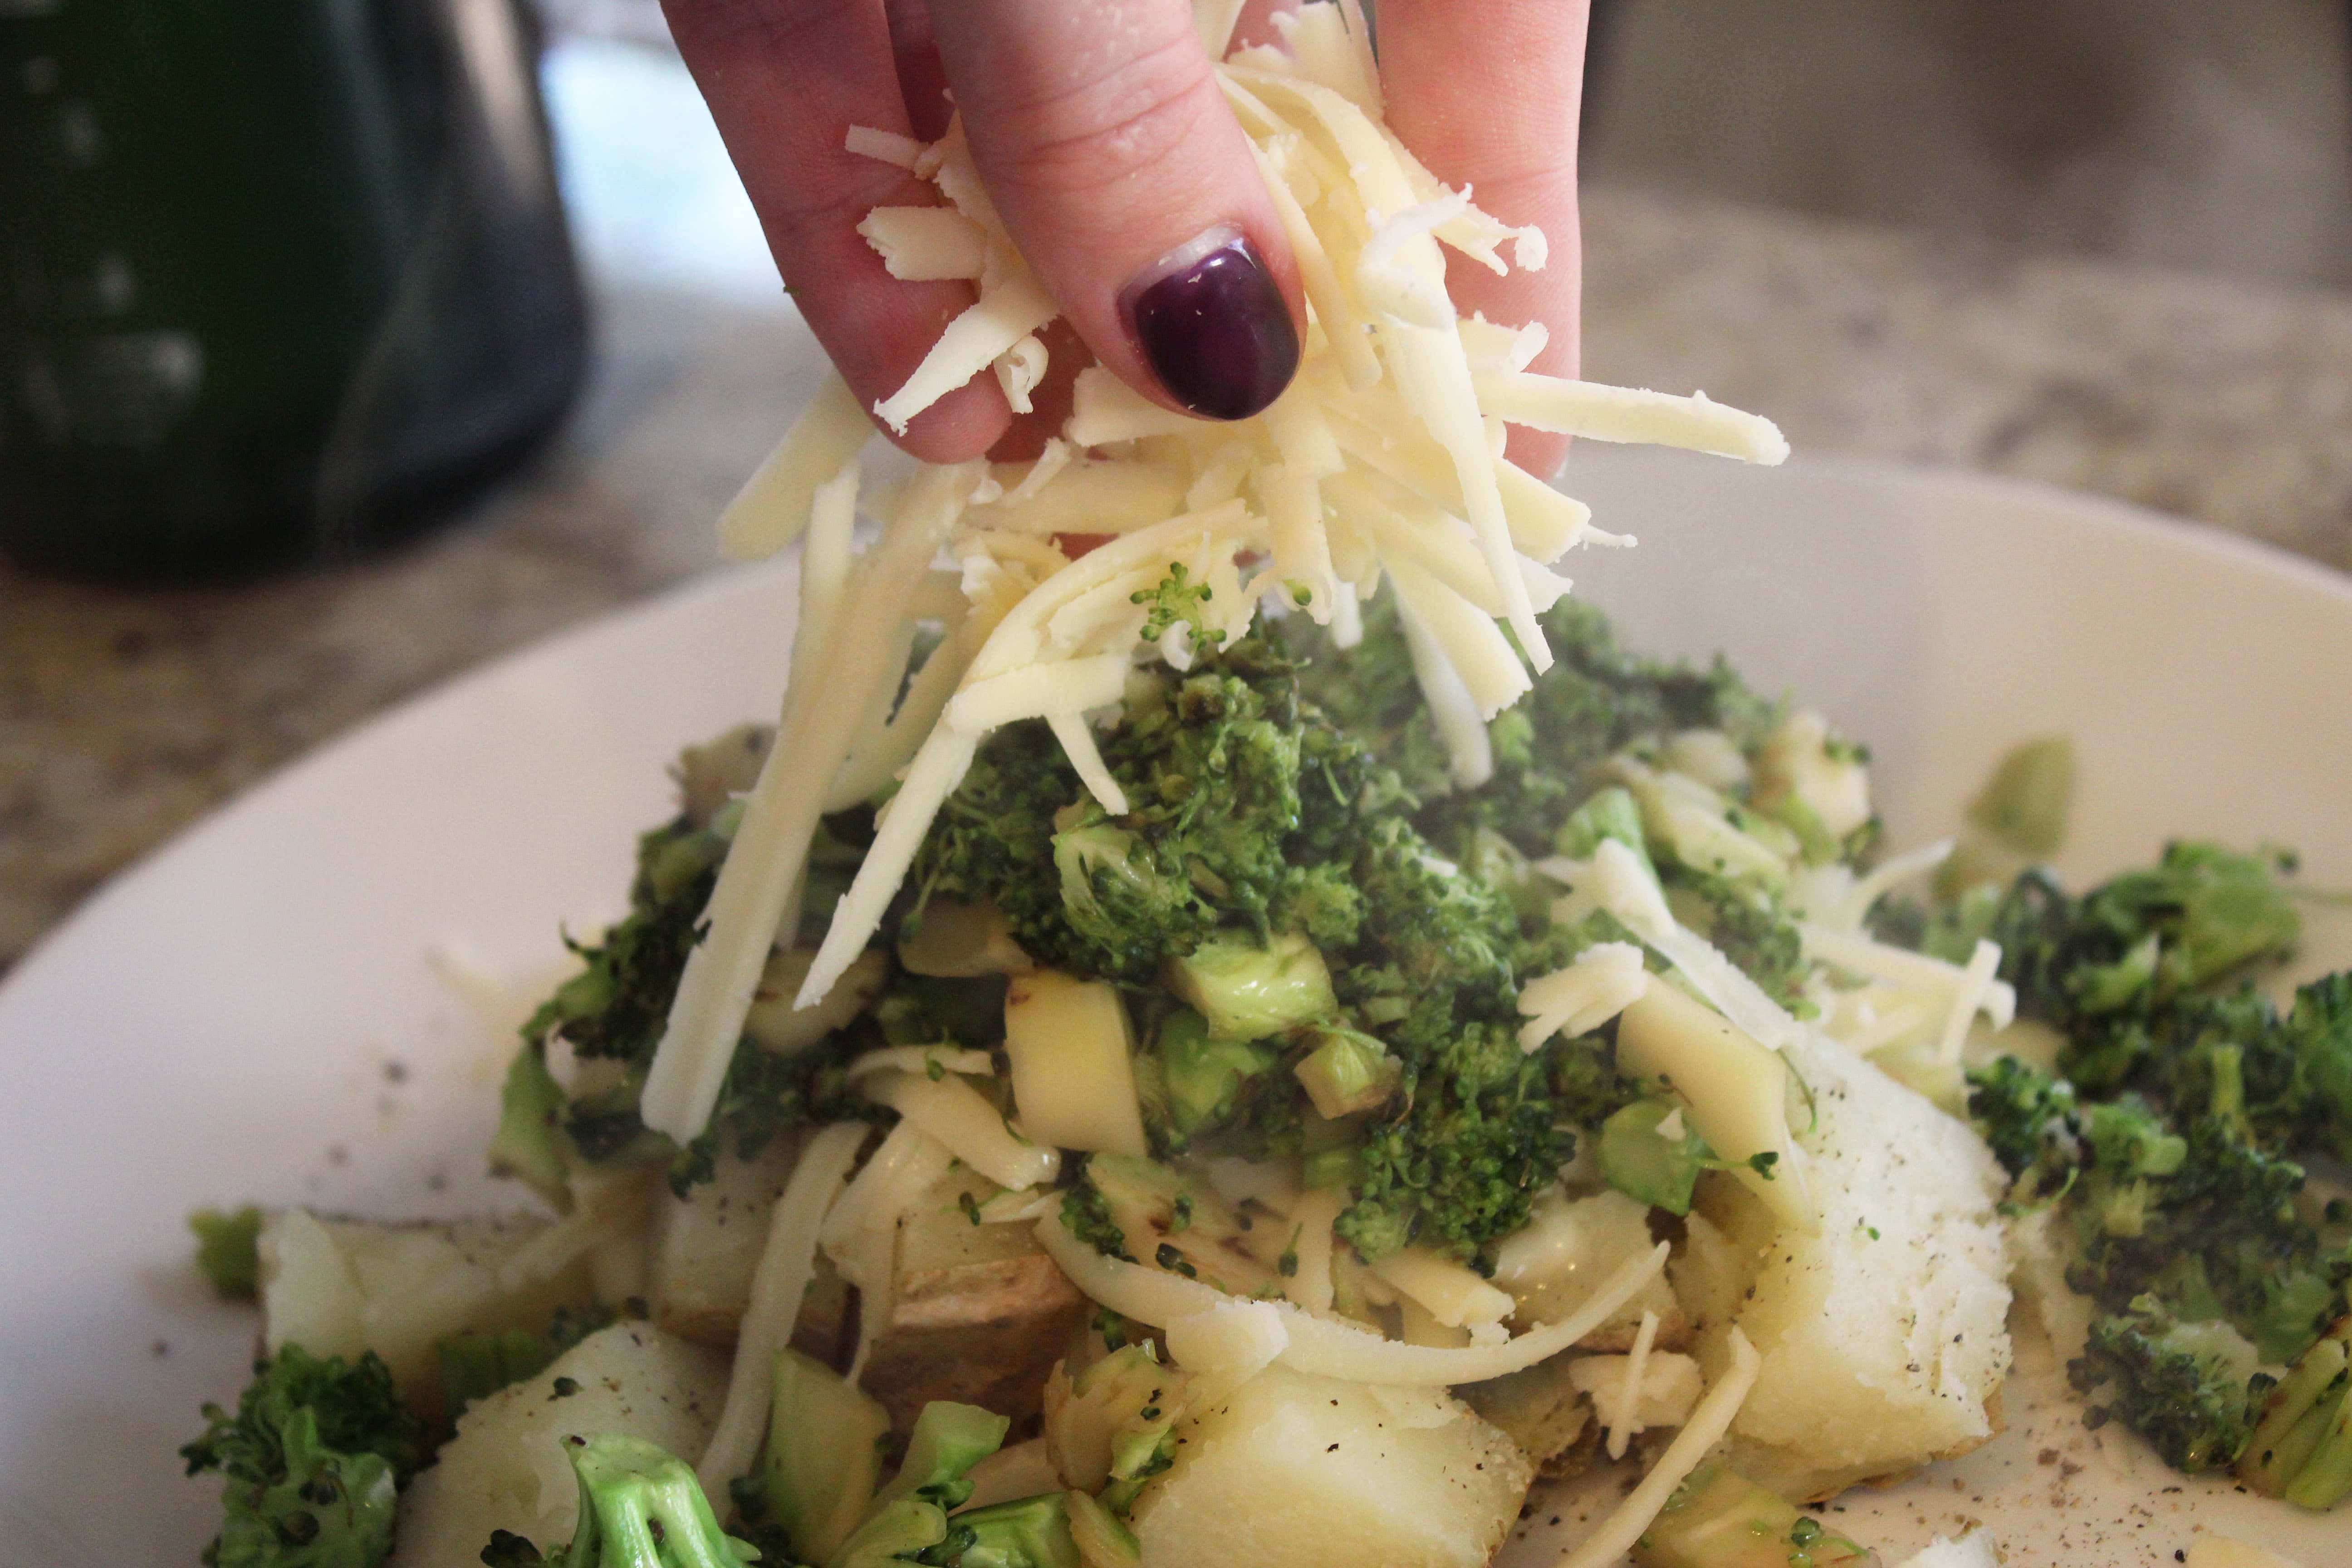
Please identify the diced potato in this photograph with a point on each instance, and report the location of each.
(1801, 763)
(1544, 1413)
(962, 942)
(978, 1313)
(339, 1286)
(1073, 1053)
(1567, 1248)
(1737, 1091)
(505, 1467)
(777, 1024)
(721, 768)
(706, 1245)
(1884, 1336)
(1308, 1471)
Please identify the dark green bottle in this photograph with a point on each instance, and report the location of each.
(276, 275)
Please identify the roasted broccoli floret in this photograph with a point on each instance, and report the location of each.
(2302, 1447)
(640, 1506)
(1478, 1139)
(2030, 1120)
(314, 1457)
(2191, 1389)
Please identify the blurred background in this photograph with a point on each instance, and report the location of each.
(346, 342)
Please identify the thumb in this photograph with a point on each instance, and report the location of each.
(1106, 147)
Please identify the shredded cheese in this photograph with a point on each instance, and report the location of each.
(1327, 1347)
(1381, 461)
(1705, 1427)
(787, 1264)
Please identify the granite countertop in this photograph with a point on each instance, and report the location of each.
(126, 714)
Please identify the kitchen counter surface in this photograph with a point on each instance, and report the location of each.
(125, 714)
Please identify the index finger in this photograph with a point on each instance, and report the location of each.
(784, 80)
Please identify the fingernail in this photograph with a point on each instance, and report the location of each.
(1213, 326)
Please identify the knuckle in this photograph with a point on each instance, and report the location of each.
(1106, 125)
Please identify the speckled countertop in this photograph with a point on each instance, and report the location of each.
(124, 715)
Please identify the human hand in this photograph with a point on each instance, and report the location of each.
(1099, 132)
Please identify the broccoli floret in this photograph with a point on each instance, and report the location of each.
(2028, 1118)
(314, 1457)
(640, 1506)
(2302, 1447)
(477, 1364)
(2191, 1389)
(529, 1143)
(1480, 1137)
(1175, 602)
(228, 1251)
(617, 1006)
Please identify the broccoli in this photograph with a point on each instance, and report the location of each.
(1478, 1139)
(228, 1251)
(615, 1011)
(475, 1364)
(1086, 1214)
(2030, 1122)
(314, 1457)
(1178, 602)
(2191, 1389)
(2302, 1447)
(640, 1506)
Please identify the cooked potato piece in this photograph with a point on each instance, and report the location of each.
(1310, 1472)
(1543, 1412)
(1884, 1336)
(980, 1313)
(705, 1245)
(777, 1024)
(721, 768)
(1567, 1248)
(506, 1468)
(338, 1287)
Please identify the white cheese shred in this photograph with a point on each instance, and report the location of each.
(1325, 1347)
(787, 1264)
(1384, 458)
(1707, 1426)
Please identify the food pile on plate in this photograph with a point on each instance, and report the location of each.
(1229, 1022)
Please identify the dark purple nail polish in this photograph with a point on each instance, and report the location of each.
(1214, 327)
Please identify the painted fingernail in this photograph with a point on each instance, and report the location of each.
(1213, 326)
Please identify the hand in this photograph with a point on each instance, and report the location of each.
(1099, 132)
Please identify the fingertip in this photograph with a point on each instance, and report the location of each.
(959, 426)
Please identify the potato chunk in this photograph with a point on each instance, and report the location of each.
(506, 1468)
(1310, 1472)
(706, 1245)
(338, 1287)
(978, 1313)
(1884, 1336)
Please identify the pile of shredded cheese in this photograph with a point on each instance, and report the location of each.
(1383, 461)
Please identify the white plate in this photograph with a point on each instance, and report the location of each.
(278, 1008)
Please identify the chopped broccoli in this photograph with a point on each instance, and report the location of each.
(1028, 1532)
(228, 1251)
(1175, 602)
(477, 1364)
(2191, 1389)
(640, 1506)
(314, 1457)
(2302, 1447)
(529, 1143)
(1248, 990)
(1086, 1212)
(2028, 1119)
(1208, 1079)
(1645, 1163)
(1478, 1139)
(615, 1009)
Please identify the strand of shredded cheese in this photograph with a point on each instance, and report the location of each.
(1705, 1427)
(787, 1264)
